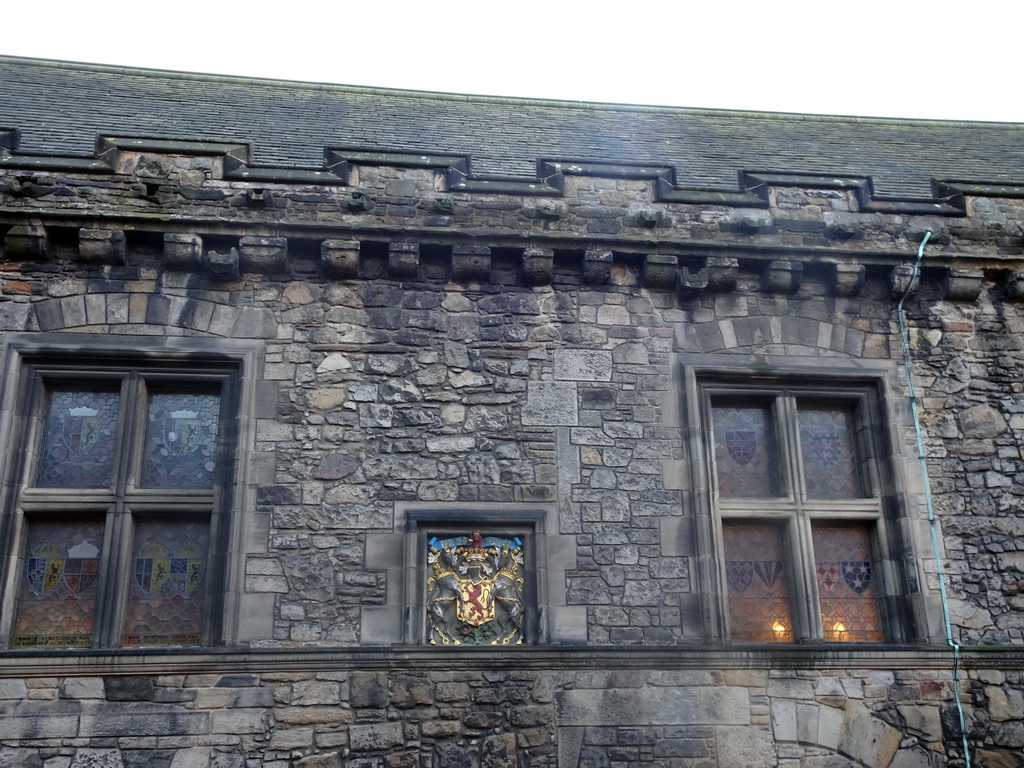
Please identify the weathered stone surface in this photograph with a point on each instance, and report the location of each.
(97, 758)
(471, 262)
(263, 254)
(982, 421)
(624, 707)
(550, 403)
(335, 466)
(310, 576)
(375, 736)
(101, 245)
(128, 688)
(182, 251)
(325, 760)
(26, 242)
(749, 747)
(583, 365)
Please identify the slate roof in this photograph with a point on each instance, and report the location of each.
(60, 108)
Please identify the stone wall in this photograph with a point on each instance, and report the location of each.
(422, 349)
(503, 717)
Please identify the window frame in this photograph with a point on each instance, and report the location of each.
(36, 368)
(869, 388)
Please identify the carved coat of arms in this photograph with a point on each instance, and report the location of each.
(475, 590)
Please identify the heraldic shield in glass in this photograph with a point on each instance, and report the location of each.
(475, 590)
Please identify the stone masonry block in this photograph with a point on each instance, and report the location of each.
(182, 251)
(97, 758)
(376, 736)
(746, 746)
(340, 258)
(538, 264)
(144, 719)
(660, 271)
(618, 707)
(550, 403)
(868, 739)
(471, 262)
(583, 365)
(266, 255)
(106, 246)
(403, 259)
(26, 243)
(597, 267)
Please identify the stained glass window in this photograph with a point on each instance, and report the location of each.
(181, 441)
(168, 585)
(78, 441)
(757, 587)
(743, 451)
(115, 442)
(829, 454)
(58, 584)
(847, 582)
(795, 504)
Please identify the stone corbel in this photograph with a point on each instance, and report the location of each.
(182, 251)
(782, 277)
(404, 259)
(106, 246)
(597, 267)
(471, 262)
(900, 281)
(723, 272)
(538, 264)
(963, 284)
(847, 279)
(223, 266)
(660, 271)
(340, 258)
(266, 255)
(27, 243)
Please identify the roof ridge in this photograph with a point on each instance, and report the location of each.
(504, 100)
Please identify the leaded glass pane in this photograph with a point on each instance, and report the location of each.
(181, 441)
(847, 583)
(757, 589)
(743, 451)
(168, 583)
(58, 585)
(79, 433)
(829, 453)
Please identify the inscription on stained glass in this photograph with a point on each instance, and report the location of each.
(475, 590)
(78, 439)
(57, 594)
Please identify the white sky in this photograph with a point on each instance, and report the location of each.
(901, 58)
